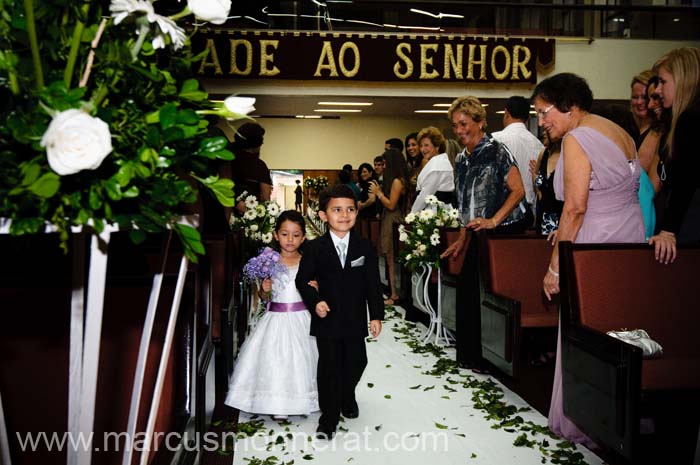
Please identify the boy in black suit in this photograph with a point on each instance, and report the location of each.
(346, 268)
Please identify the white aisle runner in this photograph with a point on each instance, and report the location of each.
(410, 417)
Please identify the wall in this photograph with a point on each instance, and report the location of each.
(330, 143)
(607, 64)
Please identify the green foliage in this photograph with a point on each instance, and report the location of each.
(164, 150)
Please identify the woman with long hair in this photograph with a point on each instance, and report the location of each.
(679, 91)
(392, 196)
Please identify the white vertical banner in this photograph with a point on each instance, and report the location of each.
(163, 365)
(91, 348)
(142, 360)
(77, 320)
(4, 440)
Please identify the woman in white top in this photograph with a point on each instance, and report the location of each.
(437, 177)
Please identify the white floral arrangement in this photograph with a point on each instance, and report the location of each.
(316, 184)
(421, 233)
(101, 121)
(258, 220)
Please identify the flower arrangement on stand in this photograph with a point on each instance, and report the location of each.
(101, 122)
(316, 185)
(257, 222)
(421, 233)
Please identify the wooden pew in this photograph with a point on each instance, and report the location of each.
(606, 382)
(511, 271)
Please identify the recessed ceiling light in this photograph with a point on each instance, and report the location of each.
(347, 104)
(337, 110)
(442, 105)
(676, 20)
(430, 111)
(309, 116)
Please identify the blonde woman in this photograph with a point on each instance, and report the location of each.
(679, 91)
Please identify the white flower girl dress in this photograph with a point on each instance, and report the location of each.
(275, 373)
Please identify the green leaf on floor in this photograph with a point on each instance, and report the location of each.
(461, 435)
(415, 387)
(370, 385)
(445, 397)
(388, 366)
(473, 455)
(429, 388)
(440, 426)
(308, 457)
(343, 429)
(378, 427)
(387, 396)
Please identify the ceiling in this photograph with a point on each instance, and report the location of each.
(289, 106)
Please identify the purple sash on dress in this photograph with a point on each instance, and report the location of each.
(286, 307)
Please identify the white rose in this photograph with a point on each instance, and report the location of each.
(403, 237)
(239, 106)
(214, 11)
(253, 227)
(410, 218)
(419, 232)
(76, 141)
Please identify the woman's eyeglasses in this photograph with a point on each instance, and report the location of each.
(543, 113)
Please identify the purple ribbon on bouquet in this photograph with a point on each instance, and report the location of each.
(285, 306)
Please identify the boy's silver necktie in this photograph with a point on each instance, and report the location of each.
(341, 252)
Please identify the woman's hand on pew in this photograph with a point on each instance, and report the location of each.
(454, 249)
(550, 284)
(552, 237)
(477, 224)
(664, 247)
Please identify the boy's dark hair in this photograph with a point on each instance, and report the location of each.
(293, 216)
(297, 181)
(344, 176)
(379, 158)
(336, 191)
(395, 143)
(565, 90)
(518, 107)
(347, 167)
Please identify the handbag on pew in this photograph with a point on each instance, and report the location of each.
(640, 338)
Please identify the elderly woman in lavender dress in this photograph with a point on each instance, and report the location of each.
(597, 177)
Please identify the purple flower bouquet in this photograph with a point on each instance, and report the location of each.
(264, 266)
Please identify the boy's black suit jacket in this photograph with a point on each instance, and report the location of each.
(348, 291)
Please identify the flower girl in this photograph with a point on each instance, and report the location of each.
(275, 373)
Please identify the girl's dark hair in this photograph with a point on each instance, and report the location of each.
(663, 122)
(394, 167)
(293, 216)
(369, 168)
(413, 162)
(565, 90)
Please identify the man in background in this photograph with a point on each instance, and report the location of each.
(520, 141)
(249, 172)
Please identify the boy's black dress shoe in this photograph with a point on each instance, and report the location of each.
(324, 432)
(351, 412)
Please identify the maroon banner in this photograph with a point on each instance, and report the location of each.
(335, 56)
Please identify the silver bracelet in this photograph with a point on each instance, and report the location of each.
(554, 273)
